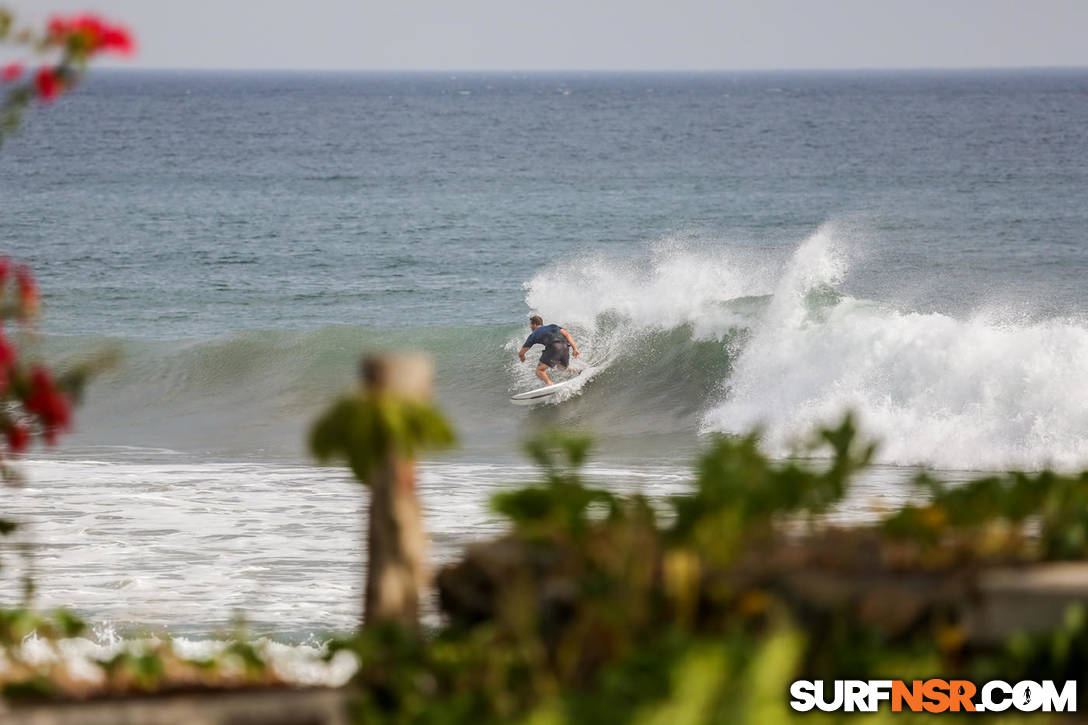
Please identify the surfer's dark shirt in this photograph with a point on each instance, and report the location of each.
(544, 335)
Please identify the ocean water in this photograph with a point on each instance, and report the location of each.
(735, 250)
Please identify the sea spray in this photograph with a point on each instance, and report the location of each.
(793, 350)
(679, 282)
(662, 325)
(973, 393)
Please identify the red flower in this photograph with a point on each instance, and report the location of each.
(119, 40)
(40, 379)
(5, 267)
(90, 24)
(48, 403)
(18, 437)
(11, 72)
(90, 34)
(92, 29)
(48, 84)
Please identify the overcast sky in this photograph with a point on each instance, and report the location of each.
(595, 34)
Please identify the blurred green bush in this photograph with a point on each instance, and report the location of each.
(599, 608)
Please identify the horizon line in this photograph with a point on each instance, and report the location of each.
(836, 69)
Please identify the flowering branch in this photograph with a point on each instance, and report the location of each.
(72, 42)
(32, 401)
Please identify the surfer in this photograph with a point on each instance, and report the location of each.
(557, 343)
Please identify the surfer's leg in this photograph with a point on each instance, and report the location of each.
(552, 356)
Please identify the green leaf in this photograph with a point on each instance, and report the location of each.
(368, 431)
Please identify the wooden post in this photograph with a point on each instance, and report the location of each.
(397, 544)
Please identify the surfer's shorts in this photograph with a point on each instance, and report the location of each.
(558, 353)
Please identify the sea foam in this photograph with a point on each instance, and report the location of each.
(980, 392)
(977, 391)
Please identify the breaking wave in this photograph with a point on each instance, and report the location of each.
(691, 337)
(749, 341)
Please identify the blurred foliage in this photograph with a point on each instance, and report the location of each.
(613, 609)
(365, 429)
(1044, 515)
(19, 623)
(561, 503)
(738, 493)
(603, 608)
(61, 51)
(37, 662)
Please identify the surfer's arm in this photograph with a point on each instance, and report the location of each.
(521, 353)
(570, 341)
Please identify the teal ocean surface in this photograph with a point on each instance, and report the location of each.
(736, 250)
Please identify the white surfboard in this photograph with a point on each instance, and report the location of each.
(558, 391)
